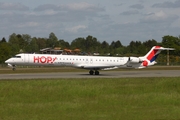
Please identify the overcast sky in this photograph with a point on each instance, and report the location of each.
(107, 20)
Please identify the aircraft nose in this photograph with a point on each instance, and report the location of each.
(7, 61)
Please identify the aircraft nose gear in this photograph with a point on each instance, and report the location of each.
(14, 68)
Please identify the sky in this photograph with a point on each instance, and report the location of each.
(106, 20)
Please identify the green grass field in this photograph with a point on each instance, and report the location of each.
(90, 99)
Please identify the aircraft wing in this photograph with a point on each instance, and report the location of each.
(98, 67)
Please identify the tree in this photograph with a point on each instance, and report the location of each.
(117, 44)
(52, 41)
(115, 47)
(63, 44)
(19, 42)
(169, 41)
(173, 42)
(79, 43)
(104, 47)
(136, 47)
(27, 40)
(150, 43)
(33, 46)
(22, 43)
(91, 44)
(41, 42)
(5, 51)
(14, 44)
(3, 40)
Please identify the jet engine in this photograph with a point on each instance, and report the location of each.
(135, 60)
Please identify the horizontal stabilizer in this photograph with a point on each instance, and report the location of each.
(162, 48)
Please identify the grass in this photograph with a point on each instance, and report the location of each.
(97, 99)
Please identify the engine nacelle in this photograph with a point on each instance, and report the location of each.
(135, 60)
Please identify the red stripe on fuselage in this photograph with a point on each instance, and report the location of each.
(152, 53)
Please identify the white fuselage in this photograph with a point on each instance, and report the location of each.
(93, 63)
(86, 62)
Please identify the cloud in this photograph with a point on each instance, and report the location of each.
(137, 6)
(73, 12)
(13, 6)
(80, 6)
(71, 20)
(75, 29)
(27, 24)
(167, 4)
(119, 5)
(159, 17)
(47, 7)
(83, 6)
(66, 13)
(130, 12)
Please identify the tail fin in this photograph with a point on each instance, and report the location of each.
(147, 60)
(154, 52)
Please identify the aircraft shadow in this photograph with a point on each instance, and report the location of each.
(96, 75)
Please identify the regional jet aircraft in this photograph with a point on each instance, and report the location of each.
(92, 63)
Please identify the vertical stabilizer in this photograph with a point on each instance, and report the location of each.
(154, 52)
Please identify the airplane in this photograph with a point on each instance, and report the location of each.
(92, 63)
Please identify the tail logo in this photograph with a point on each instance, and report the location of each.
(145, 63)
(153, 54)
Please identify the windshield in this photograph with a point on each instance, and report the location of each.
(17, 57)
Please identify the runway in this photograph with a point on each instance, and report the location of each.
(103, 74)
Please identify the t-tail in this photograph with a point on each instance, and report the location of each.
(148, 59)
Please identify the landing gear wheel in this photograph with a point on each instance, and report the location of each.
(96, 72)
(91, 72)
(13, 67)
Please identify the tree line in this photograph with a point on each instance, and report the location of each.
(18, 43)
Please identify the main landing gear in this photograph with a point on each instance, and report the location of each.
(91, 72)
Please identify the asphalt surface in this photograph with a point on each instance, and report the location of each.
(103, 74)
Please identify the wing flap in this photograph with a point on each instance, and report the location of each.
(98, 67)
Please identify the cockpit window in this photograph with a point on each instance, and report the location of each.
(17, 57)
